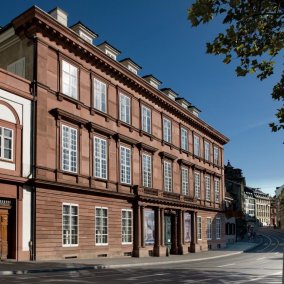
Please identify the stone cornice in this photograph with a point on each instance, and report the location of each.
(35, 21)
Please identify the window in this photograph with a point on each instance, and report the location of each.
(218, 228)
(6, 143)
(100, 158)
(216, 155)
(110, 54)
(18, 67)
(146, 119)
(70, 218)
(69, 80)
(167, 130)
(199, 228)
(100, 95)
(101, 226)
(69, 149)
(167, 176)
(124, 108)
(125, 165)
(217, 189)
(184, 139)
(209, 229)
(208, 188)
(126, 226)
(207, 151)
(184, 181)
(196, 145)
(147, 170)
(197, 184)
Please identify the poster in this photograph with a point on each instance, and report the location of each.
(187, 227)
(149, 227)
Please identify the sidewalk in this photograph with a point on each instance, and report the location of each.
(12, 267)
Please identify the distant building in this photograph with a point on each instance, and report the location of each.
(279, 204)
(262, 207)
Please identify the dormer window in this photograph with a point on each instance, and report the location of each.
(130, 65)
(84, 32)
(170, 93)
(109, 50)
(152, 81)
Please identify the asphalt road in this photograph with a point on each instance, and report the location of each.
(261, 265)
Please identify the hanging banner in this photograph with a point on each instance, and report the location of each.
(149, 227)
(187, 227)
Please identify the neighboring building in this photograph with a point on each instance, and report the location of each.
(249, 206)
(119, 166)
(262, 207)
(230, 206)
(279, 203)
(273, 211)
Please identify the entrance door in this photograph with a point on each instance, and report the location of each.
(3, 233)
(168, 232)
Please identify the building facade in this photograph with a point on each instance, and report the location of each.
(262, 207)
(119, 166)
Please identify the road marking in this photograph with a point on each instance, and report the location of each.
(226, 265)
(258, 278)
(145, 276)
(260, 258)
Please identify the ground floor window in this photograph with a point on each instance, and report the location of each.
(218, 228)
(209, 229)
(70, 216)
(199, 228)
(101, 226)
(126, 226)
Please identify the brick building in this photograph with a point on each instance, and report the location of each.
(119, 166)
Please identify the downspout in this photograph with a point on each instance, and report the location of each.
(32, 244)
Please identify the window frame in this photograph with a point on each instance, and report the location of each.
(196, 150)
(100, 158)
(2, 144)
(127, 114)
(209, 228)
(70, 224)
(101, 234)
(218, 228)
(199, 227)
(216, 181)
(197, 186)
(128, 230)
(68, 94)
(143, 127)
(205, 152)
(182, 142)
(95, 79)
(127, 167)
(70, 150)
(167, 133)
(207, 187)
(150, 182)
(184, 181)
(216, 155)
(168, 180)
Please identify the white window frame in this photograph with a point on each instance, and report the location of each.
(168, 173)
(124, 108)
(100, 157)
(184, 138)
(216, 155)
(209, 228)
(207, 151)
(199, 227)
(146, 119)
(100, 235)
(129, 229)
(196, 145)
(197, 185)
(100, 95)
(217, 189)
(2, 143)
(184, 181)
(167, 130)
(70, 225)
(125, 165)
(69, 151)
(147, 170)
(69, 80)
(110, 54)
(207, 180)
(218, 228)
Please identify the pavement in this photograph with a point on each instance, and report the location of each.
(10, 267)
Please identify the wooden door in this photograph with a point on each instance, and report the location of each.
(3, 234)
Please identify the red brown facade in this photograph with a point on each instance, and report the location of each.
(119, 167)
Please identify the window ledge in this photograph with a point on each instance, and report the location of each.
(61, 97)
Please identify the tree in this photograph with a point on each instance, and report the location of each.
(253, 35)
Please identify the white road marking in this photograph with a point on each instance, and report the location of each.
(258, 278)
(260, 258)
(226, 265)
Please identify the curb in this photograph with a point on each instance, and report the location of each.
(112, 266)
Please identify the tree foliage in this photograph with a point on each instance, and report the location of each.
(253, 35)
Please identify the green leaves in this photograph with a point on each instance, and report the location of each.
(254, 37)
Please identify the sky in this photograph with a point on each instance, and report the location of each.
(157, 36)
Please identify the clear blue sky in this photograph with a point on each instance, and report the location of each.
(157, 35)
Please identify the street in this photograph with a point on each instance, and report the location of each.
(260, 265)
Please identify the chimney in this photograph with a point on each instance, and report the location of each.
(59, 15)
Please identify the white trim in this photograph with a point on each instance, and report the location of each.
(131, 228)
(100, 243)
(127, 167)
(101, 159)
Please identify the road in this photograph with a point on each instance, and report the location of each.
(261, 265)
